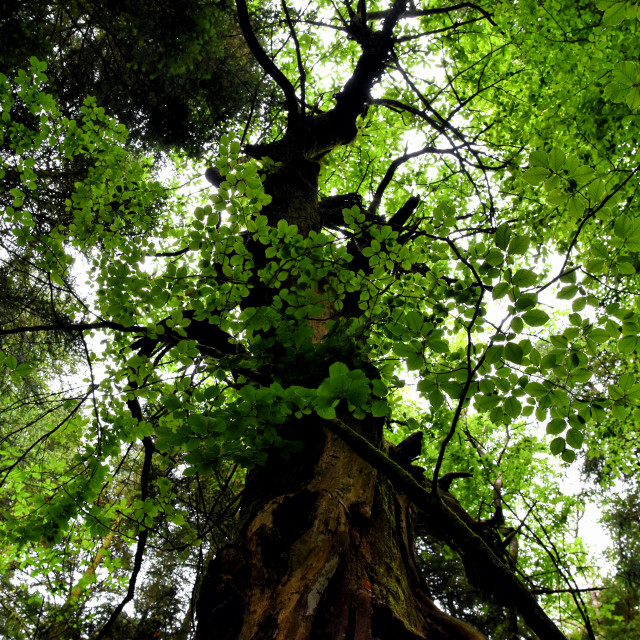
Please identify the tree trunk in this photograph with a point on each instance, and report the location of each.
(325, 550)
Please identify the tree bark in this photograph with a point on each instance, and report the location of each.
(325, 550)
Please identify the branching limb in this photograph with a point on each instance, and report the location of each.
(8, 469)
(264, 60)
(73, 328)
(388, 176)
(500, 579)
(557, 560)
(149, 448)
(301, 70)
(591, 214)
(417, 13)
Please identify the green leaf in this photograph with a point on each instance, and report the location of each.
(579, 304)
(414, 321)
(582, 174)
(599, 335)
(404, 350)
(500, 290)
(436, 398)
(526, 301)
(556, 426)
(519, 245)
(517, 324)
(557, 159)
(633, 98)
(172, 402)
(558, 197)
(379, 388)
(615, 392)
(536, 389)
(626, 381)
(487, 402)
(524, 278)
(535, 357)
(358, 394)
(494, 353)
(623, 226)
(557, 446)
(438, 345)
(23, 369)
(634, 393)
(198, 422)
(581, 375)
(575, 438)
(513, 352)
(495, 257)
(503, 235)
(535, 175)
(326, 411)
(568, 292)
(575, 319)
(535, 317)
(512, 407)
(539, 159)
(627, 344)
(380, 409)
(614, 11)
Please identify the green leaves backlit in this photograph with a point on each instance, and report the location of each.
(625, 84)
(564, 179)
(615, 11)
(353, 387)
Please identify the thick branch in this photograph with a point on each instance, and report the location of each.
(73, 328)
(338, 126)
(301, 70)
(500, 580)
(416, 13)
(264, 60)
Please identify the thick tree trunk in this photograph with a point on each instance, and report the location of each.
(324, 551)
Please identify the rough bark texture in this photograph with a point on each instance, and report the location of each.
(325, 551)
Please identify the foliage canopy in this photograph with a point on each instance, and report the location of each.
(435, 232)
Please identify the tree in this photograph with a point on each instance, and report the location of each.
(171, 72)
(434, 171)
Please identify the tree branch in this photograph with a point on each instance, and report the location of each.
(301, 71)
(149, 448)
(265, 61)
(72, 328)
(591, 214)
(416, 13)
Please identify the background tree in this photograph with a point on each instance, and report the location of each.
(435, 172)
(171, 72)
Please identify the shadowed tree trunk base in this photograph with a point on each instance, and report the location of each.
(325, 551)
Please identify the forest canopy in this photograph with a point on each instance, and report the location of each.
(307, 312)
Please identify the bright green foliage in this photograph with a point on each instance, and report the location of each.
(507, 302)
